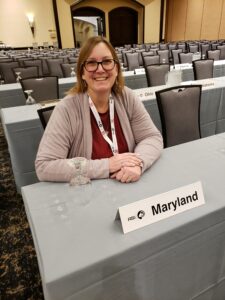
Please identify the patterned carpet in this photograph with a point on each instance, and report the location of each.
(19, 274)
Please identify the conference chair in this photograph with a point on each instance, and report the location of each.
(179, 109)
(34, 62)
(151, 60)
(204, 48)
(26, 72)
(124, 57)
(213, 54)
(44, 114)
(69, 70)
(54, 67)
(203, 68)
(175, 57)
(43, 88)
(156, 74)
(185, 58)
(140, 59)
(193, 48)
(132, 61)
(222, 51)
(163, 56)
(6, 71)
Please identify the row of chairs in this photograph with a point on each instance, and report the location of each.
(157, 74)
(12, 71)
(134, 60)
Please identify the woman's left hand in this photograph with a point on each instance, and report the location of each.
(128, 174)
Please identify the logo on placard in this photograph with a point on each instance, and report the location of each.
(140, 214)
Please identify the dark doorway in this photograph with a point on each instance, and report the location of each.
(123, 26)
(88, 12)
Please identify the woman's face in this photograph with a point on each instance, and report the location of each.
(100, 80)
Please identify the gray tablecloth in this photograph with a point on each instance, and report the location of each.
(24, 130)
(83, 254)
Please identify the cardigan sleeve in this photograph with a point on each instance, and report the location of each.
(148, 139)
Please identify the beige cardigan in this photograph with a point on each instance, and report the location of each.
(69, 135)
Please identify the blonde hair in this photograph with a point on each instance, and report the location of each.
(81, 86)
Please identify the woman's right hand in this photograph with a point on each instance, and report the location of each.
(127, 159)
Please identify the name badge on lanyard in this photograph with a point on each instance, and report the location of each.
(113, 143)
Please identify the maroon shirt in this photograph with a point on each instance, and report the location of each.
(100, 148)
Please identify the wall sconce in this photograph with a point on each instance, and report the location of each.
(30, 18)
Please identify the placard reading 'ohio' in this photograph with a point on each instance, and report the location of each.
(150, 210)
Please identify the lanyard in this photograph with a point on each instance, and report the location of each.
(113, 143)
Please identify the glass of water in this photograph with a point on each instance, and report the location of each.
(30, 99)
(80, 165)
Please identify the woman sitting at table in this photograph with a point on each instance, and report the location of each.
(101, 121)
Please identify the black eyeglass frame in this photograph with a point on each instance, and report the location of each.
(100, 63)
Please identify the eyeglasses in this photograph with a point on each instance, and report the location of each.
(92, 65)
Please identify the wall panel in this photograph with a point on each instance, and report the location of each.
(194, 19)
(222, 22)
(211, 19)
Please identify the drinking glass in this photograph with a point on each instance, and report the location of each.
(18, 77)
(72, 74)
(30, 99)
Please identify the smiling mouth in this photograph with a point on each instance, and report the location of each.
(101, 78)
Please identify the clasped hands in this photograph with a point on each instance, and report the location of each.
(125, 167)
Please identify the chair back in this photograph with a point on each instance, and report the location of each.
(44, 88)
(34, 62)
(156, 74)
(151, 60)
(26, 72)
(185, 58)
(69, 69)
(175, 57)
(54, 67)
(203, 68)
(132, 61)
(213, 54)
(6, 71)
(44, 114)
(163, 56)
(179, 109)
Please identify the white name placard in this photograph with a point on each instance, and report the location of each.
(145, 94)
(139, 71)
(150, 210)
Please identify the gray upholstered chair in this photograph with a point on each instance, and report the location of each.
(182, 45)
(213, 54)
(179, 109)
(193, 48)
(132, 61)
(43, 88)
(151, 60)
(124, 58)
(44, 114)
(185, 58)
(54, 67)
(204, 48)
(175, 57)
(26, 72)
(6, 71)
(156, 74)
(34, 62)
(222, 51)
(163, 56)
(203, 68)
(69, 70)
(140, 59)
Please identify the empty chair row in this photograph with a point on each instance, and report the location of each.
(35, 68)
